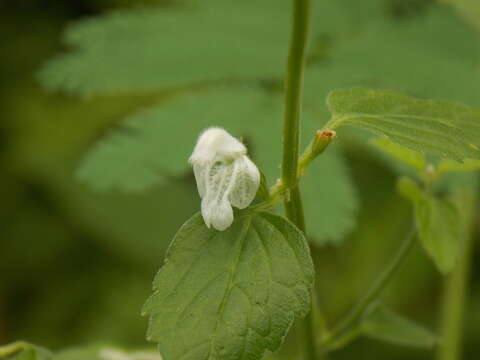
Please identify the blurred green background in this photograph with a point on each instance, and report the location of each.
(76, 266)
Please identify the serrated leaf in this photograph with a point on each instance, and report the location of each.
(231, 294)
(401, 153)
(383, 324)
(439, 127)
(159, 47)
(439, 225)
(155, 144)
(24, 351)
(419, 49)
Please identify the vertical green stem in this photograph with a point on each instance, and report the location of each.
(293, 91)
(291, 131)
(455, 291)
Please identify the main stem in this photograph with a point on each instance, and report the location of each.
(291, 132)
(455, 292)
(293, 91)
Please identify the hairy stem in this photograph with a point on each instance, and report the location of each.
(455, 290)
(291, 132)
(348, 325)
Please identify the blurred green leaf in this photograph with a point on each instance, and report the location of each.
(401, 153)
(155, 144)
(437, 42)
(230, 294)
(21, 350)
(105, 352)
(440, 230)
(137, 227)
(382, 324)
(438, 222)
(442, 128)
(448, 165)
(410, 190)
(331, 201)
(185, 43)
(152, 41)
(468, 9)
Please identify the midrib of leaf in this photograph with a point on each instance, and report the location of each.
(245, 227)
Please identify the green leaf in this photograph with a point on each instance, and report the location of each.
(410, 190)
(439, 127)
(419, 50)
(439, 225)
(105, 352)
(231, 294)
(382, 324)
(159, 47)
(448, 165)
(24, 351)
(401, 153)
(155, 144)
(331, 202)
(468, 9)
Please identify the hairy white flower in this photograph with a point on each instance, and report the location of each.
(225, 176)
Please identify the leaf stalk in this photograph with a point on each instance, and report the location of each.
(342, 333)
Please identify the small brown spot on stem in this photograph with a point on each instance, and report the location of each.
(329, 134)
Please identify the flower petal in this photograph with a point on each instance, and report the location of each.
(216, 209)
(217, 214)
(246, 180)
(216, 143)
(200, 172)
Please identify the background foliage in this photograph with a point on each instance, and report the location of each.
(76, 265)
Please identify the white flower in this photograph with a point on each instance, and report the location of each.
(225, 176)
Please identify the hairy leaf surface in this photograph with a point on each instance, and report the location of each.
(439, 127)
(231, 294)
